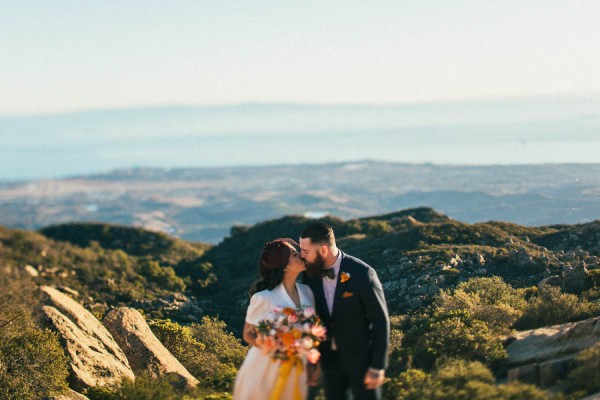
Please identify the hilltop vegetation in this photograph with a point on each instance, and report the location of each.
(454, 291)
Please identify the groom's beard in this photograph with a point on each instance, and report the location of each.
(314, 268)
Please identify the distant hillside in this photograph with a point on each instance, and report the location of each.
(416, 253)
(201, 205)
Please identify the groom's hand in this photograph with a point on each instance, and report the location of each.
(374, 378)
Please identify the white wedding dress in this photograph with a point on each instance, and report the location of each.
(257, 375)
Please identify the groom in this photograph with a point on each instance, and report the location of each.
(350, 302)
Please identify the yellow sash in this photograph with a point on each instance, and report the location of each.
(284, 373)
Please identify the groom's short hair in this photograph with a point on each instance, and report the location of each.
(319, 232)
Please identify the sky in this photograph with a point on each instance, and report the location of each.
(63, 56)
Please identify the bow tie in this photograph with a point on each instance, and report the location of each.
(329, 272)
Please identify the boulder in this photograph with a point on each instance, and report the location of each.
(576, 278)
(95, 357)
(145, 352)
(542, 356)
(70, 395)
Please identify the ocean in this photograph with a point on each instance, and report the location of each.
(521, 131)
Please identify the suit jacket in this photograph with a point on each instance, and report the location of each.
(359, 321)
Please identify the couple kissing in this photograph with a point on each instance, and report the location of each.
(331, 330)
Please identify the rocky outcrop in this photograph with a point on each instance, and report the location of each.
(542, 356)
(175, 306)
(95, 357)
(70, 395)
(145, 352)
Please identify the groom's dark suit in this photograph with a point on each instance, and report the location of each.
(358, 323)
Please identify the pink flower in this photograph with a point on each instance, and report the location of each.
(318, 330)
(307, 343)
(292, 319)
(313, 356)
(309, 312)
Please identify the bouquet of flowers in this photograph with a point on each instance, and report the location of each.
(290, 334)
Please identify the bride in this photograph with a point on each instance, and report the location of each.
(280, 265)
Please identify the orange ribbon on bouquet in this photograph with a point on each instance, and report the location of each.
(284, 373)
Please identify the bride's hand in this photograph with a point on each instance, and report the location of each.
(250, 335)
(258, 342)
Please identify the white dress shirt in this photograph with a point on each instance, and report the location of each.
(330, 284)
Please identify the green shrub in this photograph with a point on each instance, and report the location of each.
(490, 300)
(32, 365)
(212, 332)
(207, 351)
(457, 379)
(32, 361)
(455, 334)
(145, 388)
(586, 375)
(162, 277)
(552, 307)
(594, 275)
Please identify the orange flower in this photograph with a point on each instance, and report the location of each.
(288, 339)
(344, 277)
(297, 333)
(288, 311)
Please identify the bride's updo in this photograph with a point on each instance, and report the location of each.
(273, 260)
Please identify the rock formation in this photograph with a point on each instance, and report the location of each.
(95, 358)
(542, 356)
(70, 395)
(145, 352)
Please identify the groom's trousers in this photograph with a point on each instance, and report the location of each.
(340, 378)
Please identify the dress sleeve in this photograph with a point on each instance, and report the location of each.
(259, 307)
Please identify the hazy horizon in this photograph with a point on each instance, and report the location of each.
(503, 132)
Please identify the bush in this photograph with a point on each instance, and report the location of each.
(457, 380)
(455, 334)
(32, 365)
(32, 361)
(212, 332)
(552, 307)
(145, 388)
(162, 277)
(586, 375)
(207, 351)
(594, 275)
(490, 300)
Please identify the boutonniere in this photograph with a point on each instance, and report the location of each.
(344, 277)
